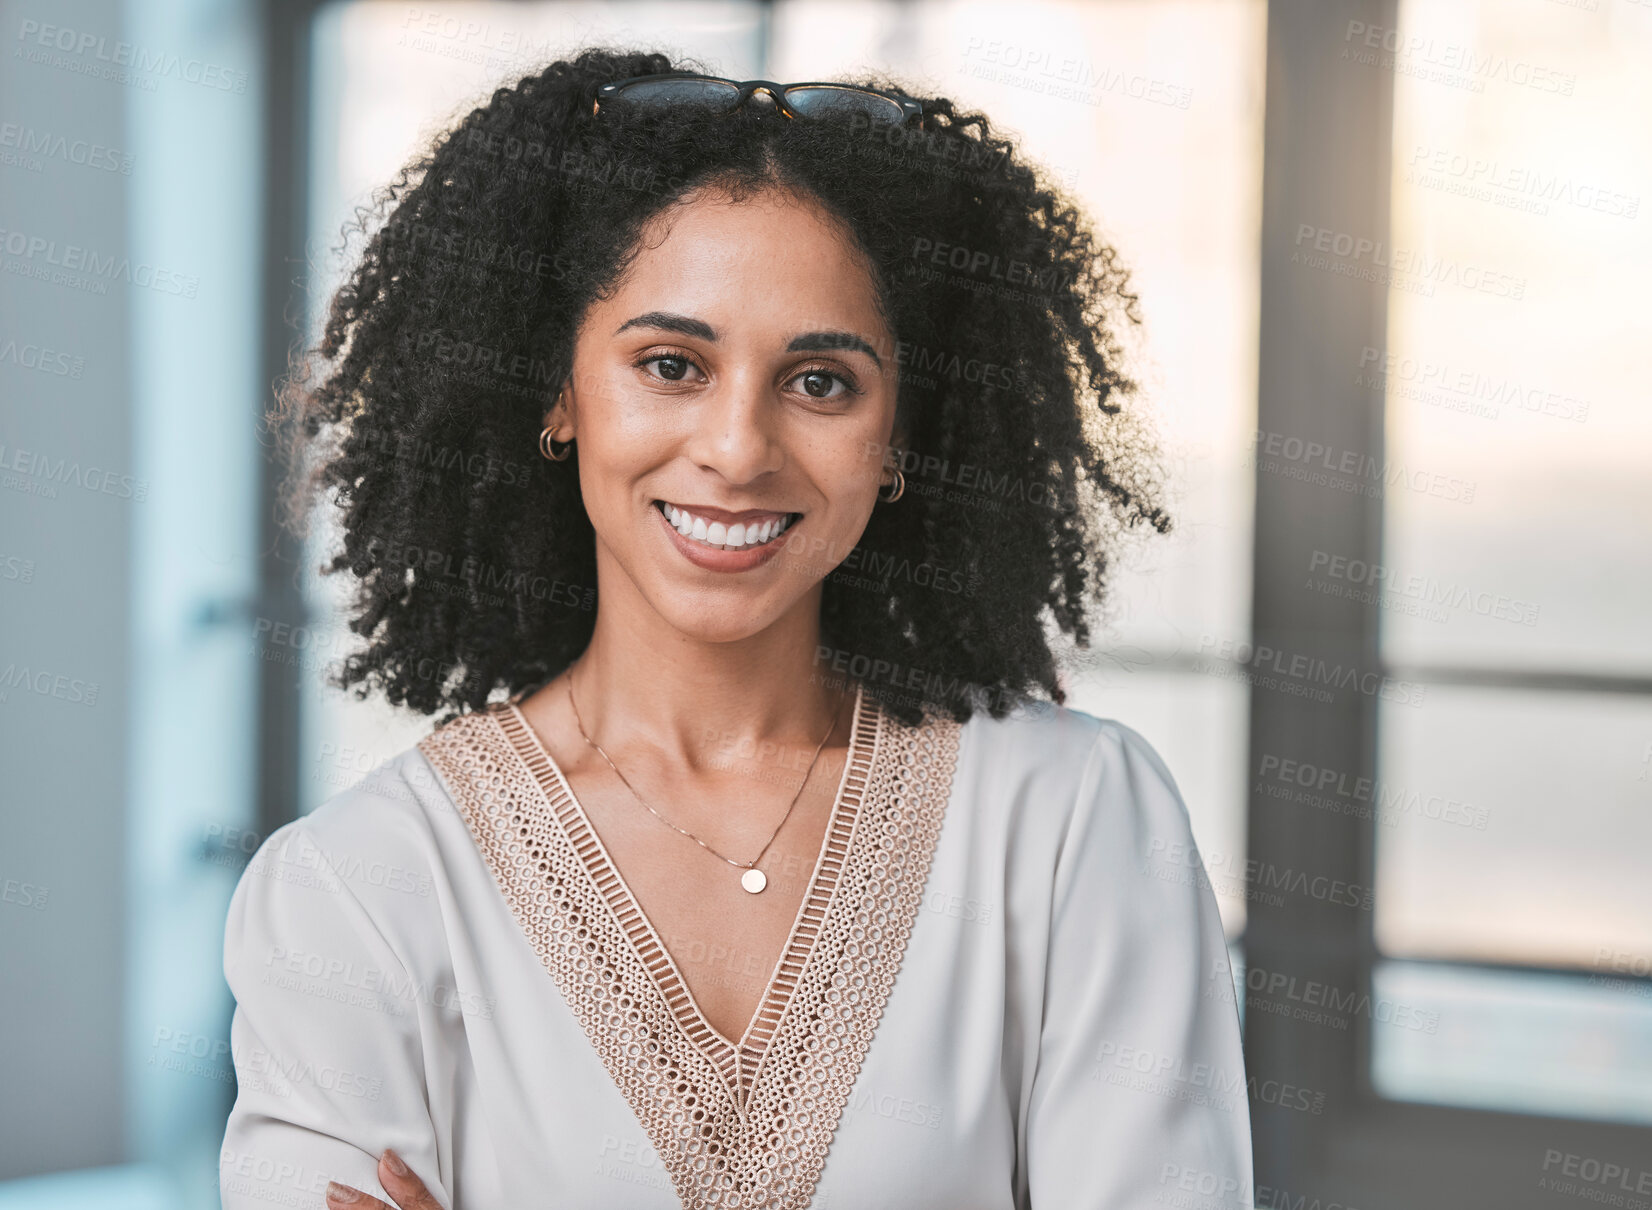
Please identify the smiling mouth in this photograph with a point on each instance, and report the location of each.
(719, 535)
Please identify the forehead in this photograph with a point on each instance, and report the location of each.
(770, 260)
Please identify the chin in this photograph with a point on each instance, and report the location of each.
(717, 623)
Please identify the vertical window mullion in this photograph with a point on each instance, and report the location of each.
(1313, 669)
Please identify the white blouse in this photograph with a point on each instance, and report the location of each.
(1006, 988)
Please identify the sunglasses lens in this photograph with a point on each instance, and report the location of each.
(712, 94)
(817, 101)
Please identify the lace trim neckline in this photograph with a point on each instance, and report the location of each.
(739, 1060)
(735, 1128)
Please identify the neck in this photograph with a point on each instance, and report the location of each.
(695, 700)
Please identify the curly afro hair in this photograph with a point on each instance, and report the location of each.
(420, 409)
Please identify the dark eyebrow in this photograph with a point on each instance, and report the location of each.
(666, 321)
(808, 342)
(812, 341)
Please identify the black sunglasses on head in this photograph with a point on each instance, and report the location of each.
(823, 100)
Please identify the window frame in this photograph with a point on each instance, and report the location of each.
(1364, 1149)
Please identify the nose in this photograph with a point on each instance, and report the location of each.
(735, 430)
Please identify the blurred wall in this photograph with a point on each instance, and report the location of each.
(131, 220)
(66, 511)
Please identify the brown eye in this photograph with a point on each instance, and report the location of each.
(822, 384)
(674, 369)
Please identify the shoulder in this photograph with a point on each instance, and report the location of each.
(389, 841)
(362, 893)
(1069, 783)
(1064, 745)
(1043, 727)
(393, 813)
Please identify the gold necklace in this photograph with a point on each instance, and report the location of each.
(753, 880)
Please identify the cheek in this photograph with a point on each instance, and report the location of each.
(863, 467)
(623, 434)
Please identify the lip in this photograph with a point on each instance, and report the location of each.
(712, 559)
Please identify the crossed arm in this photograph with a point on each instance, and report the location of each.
(399, 1181)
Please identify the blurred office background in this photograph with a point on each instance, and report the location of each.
(1393, 266)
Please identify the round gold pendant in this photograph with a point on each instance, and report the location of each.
(754, 880)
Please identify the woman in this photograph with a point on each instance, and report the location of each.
(744, 869)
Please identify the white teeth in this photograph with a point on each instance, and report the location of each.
(727, 537)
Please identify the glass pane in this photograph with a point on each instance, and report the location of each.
(1518, 327)
(1514, 826)
(1514, 1040)
(1512, 823)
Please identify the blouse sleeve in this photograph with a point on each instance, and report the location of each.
(1139, 1092)
(325, 1038)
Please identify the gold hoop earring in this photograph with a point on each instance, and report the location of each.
(898, 483)
(547, 447)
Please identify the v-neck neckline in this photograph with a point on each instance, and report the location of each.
(739, 1061)
(732, 1127)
